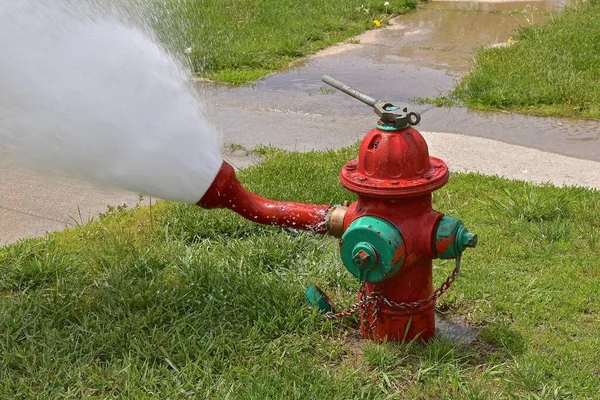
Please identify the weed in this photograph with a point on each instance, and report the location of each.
(556, 230)
(441, 101)
(235, 147)
(534, 204)
(112, 210)
(505, 340)
(323, 90)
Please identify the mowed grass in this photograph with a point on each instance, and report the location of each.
(552, 69)
(238, 41)
(177, 302)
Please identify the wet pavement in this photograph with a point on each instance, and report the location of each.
(32, 204)
(420, 54)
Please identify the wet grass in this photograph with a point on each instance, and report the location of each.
(239, 41)
(552, 69)
(441, 101)
(178, 302)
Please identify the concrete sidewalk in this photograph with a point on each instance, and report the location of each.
(32, 204)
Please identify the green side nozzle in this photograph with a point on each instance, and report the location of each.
(452, 238)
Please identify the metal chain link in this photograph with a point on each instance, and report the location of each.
(376, 297)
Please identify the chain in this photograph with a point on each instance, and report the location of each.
(362, 304)
(376, 298)
(434, 296)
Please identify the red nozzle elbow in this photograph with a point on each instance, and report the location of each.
(226, 191)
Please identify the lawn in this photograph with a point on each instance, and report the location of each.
(239, 41)
(177, 302)
(552, 69)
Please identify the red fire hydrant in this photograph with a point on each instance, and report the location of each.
(389, 236)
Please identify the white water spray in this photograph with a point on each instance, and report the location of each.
(84, 94)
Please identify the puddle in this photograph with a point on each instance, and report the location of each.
(421, 54)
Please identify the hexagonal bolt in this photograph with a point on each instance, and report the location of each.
(470, 239)
(361, 259)
(465, 239)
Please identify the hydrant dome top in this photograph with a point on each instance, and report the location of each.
(394, 163)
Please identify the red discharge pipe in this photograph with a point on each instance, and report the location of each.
(226, 191)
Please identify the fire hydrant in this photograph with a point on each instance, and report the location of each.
(388, 237)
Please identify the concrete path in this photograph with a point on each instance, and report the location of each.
(32, 204)
(420, 55)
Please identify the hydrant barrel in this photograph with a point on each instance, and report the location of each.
(391, 234)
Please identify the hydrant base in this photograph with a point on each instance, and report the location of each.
(402, 325)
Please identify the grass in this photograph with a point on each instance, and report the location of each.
(178, 302)
(239, 41)
(441, 101)
(552, 69)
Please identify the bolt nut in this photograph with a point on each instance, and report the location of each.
(361, 258)
(469, 240)
(365, 256)
(472, 241)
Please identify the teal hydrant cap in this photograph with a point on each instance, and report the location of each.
(372, 249)
(317, 297)
(452, 238)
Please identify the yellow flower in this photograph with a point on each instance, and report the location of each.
(510, 39)
(377, 23)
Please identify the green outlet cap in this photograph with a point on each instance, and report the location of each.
(316, 297)
(452, 238)
(372, 249)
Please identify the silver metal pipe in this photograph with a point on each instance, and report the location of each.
(348, 90)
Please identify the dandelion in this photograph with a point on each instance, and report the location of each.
(510, 39)
(188, 50)
(386, 4)
(377, 23)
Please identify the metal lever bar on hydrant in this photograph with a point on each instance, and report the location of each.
(390, 115)
(226, 191)
(368, 100)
